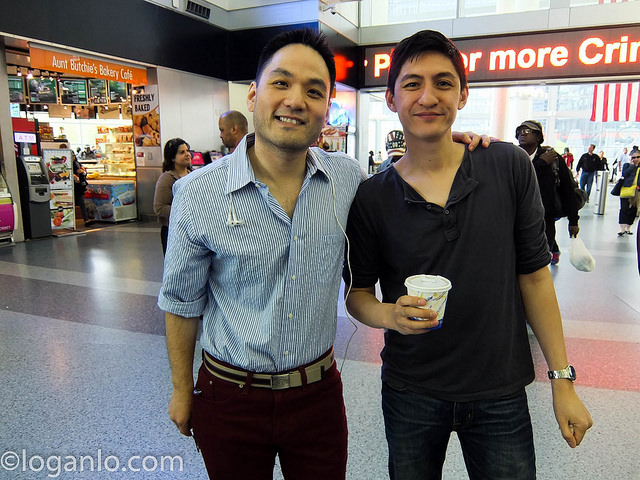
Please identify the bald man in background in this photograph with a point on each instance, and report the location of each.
(233, 127)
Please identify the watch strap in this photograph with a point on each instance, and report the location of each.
(568, 373)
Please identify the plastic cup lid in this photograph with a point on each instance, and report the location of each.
(428, 283)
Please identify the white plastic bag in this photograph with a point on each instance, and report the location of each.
(580, 256)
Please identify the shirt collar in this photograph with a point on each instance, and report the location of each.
(241, 173)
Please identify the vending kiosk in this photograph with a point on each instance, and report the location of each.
(34, 196)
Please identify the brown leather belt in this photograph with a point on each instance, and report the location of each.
(278, 381)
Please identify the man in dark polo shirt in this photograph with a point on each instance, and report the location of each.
(589, 163)
(475, 218)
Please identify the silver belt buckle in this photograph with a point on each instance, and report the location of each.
(280, 382)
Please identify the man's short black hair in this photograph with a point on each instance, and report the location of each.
(410, 48)
(302, 36)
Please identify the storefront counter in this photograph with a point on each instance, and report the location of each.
(111, 200)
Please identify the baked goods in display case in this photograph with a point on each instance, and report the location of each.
(116, 145)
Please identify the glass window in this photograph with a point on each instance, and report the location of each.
(384, 12)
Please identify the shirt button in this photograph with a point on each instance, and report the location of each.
(446, 212)
(293, 277)
(290, 315)
(428, 207)
(286, 352)
(295, 239)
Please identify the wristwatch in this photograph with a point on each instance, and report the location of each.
(569, 373)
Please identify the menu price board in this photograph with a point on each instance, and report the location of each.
(98, 91)
(117, 92)
(42, 90)
(73, 92)
(16, 90)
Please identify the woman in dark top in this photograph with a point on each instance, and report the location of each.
(80, 187)
(176, 164)
(629, 206)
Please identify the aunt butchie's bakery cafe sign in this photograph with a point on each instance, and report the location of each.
(58, 61)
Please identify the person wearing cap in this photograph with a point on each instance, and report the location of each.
(589, 163)
(395, 146)
(554, 178)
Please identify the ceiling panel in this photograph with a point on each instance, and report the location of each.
(242, 4)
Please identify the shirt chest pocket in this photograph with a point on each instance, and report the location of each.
(326, 258)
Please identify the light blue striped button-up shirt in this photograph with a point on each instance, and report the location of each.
(267, 287)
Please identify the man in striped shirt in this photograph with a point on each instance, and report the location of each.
(256, 247)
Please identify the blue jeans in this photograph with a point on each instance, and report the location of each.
(586, 181)
(495, 435)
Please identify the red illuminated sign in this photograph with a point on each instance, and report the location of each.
(343, 64)
(577, 53)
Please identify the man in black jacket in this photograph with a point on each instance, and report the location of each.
(589, 163)
(554, 181)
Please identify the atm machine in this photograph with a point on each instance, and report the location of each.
(35, 194)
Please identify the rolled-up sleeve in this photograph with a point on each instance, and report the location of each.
(532, 249)
(187, 261)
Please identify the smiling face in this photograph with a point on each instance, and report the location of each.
(290, 101)
(427, 96)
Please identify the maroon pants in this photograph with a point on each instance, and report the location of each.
(241, 429)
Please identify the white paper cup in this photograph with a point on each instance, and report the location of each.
(434, 289)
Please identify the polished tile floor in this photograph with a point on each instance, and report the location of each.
(85, 378)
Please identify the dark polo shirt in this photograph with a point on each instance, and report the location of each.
(490, 230)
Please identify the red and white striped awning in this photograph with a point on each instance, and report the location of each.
(616, 102)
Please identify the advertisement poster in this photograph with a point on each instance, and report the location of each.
(146, 126)
(62, 209)
(73, 92)
(43, 90)
(97, 91)
(60, 168)
(117, 92)
(16, 89)
(111, 201)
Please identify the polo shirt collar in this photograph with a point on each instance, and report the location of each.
(463, 185)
